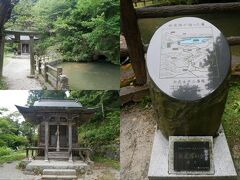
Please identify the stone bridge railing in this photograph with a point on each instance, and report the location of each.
(52, 75)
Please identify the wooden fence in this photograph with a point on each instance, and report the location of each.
(83, 153)
(136, 2)
(52, 75)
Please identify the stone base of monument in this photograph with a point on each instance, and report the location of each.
(223, 164)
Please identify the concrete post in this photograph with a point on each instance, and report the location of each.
(70, 140)
(32, 71)
(46, 141)
(2, 42)
(63, 82)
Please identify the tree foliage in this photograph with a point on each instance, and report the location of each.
(100, 132)
(35, 95)
(81, 30)
(10, 132)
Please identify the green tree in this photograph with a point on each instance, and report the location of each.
(80, 30)
(100, 133)
(35, 95)
(10, 133)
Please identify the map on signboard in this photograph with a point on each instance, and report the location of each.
(186, 53)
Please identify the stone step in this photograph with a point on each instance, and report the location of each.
(58, 155)
(58, 152)
(58, 172)
(58, 158)
(56, 177)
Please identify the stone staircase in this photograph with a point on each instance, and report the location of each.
(60, 174)
(58, 155)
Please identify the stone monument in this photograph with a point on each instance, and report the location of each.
(188, 63)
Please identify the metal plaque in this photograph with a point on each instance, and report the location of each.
(190, 155)
(188, 58)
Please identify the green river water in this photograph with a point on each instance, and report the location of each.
(228, 23)
(92, 76)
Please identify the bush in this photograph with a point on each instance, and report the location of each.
(13, 141)
(14, 156)
(5, 151)
(101, 133)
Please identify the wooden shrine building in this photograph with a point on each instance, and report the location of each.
(23, 42)
(57, 122)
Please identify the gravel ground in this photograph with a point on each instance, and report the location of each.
(16, 72)
(8, 171)
(101, 172)
(137, 131)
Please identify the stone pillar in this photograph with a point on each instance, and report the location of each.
(58, 139)
(2, 42)
(32, 69)
(63, 82)
(46, 141)
(70, 140)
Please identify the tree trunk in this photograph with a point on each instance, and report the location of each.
(5, 13)
(132, 34)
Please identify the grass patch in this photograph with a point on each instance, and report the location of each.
(3, 84)
(15, 156)
(108, 162)
(231, 114)
(231, 122)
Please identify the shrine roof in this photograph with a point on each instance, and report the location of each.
(51, 107)
(57, 103)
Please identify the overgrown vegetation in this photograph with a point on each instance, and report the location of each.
(103, 130)
(14, 156)
(79, 30)
(107, 161)
(231, 122)
(12, 137)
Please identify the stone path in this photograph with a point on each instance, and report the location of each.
(8, 171)
(16, 71)
(137, 131)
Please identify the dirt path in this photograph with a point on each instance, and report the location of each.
(137, 130)
(8, 171)
(16, 71)
(101, 172)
